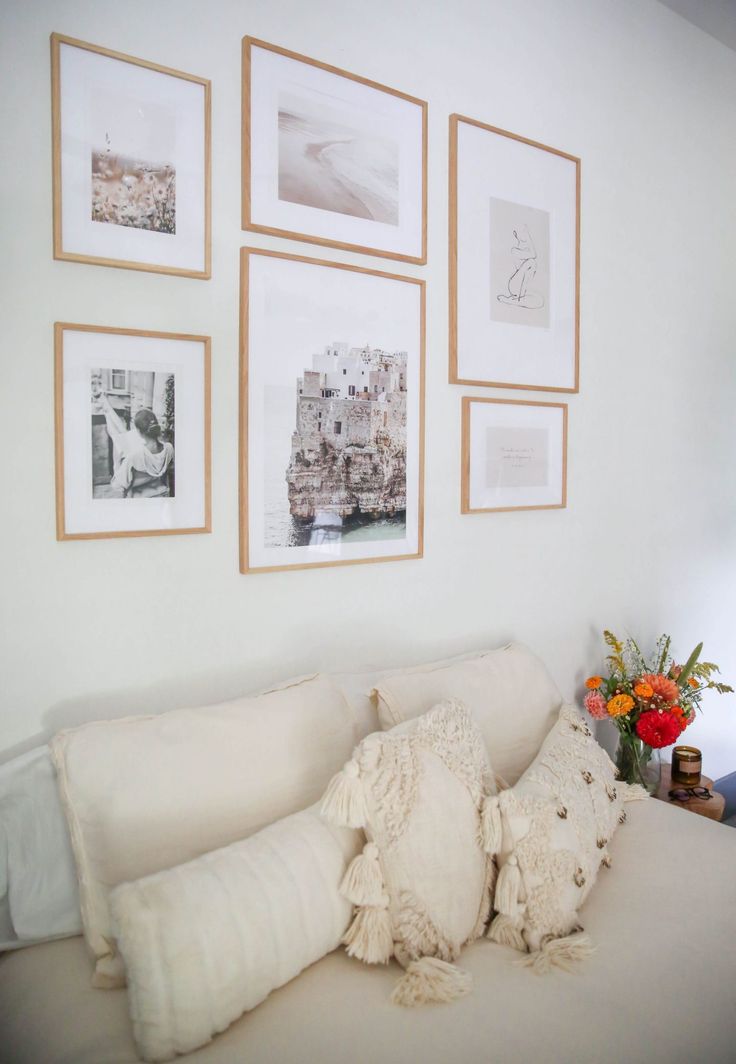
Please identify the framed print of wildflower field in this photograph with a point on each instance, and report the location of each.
(332, 413)
(131, 161)
(332, 158)
(132, 432)
(514, 260)
(514, 455)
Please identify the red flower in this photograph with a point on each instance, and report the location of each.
(657, 729)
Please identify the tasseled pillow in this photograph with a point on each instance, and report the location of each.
(423, 883)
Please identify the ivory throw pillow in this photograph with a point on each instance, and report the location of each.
(550, 834)
(509, 692)
(210, 939)
(422, 886)
(147, 793)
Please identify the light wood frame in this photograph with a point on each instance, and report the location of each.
(245, 566)
(57, 39)
(455, 119)
(465, 507)
(60, 327)
(248, 224)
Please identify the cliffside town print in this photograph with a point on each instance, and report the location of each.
(346, 476)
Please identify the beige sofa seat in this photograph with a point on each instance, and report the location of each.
(659, 988)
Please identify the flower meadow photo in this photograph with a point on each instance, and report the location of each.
(131, 154)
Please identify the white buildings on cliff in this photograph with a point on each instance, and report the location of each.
(348, 453)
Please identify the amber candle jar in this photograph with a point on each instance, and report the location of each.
(687, 762)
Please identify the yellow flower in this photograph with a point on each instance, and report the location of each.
(593, 682)
(643, 690)
(620, 705)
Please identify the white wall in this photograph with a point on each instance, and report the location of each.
(647, 540)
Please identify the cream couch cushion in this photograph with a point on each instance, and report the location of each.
(147, 793)
(210, 939)
(509, 692)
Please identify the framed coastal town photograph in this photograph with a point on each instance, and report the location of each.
(131, 161)
(132, 432)
(514, 260)
(332, 158)
(514, 455)
(332, 413)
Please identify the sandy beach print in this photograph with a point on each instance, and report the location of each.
(331, 165)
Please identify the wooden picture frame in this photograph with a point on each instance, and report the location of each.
(521, 447)
(358, 416)
(514, 295)
(118, 393)
(293, 177)
(127, 192)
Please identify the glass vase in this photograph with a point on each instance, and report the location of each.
(638, 763)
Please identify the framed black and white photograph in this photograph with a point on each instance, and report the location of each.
(131, 161)
(332, 158)
(514, 260)
(132, 432)
(332, 408)
(514, 455)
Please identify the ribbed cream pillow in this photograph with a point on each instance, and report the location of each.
(509, 692)
(210, 939)
(550, 834)
(147, 793)
(422, 886)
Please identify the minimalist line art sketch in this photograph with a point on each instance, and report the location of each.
(520, 264)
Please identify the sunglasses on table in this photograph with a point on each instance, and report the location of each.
(684, 794)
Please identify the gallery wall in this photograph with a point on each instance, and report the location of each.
(646, 543)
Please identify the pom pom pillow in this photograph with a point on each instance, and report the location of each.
(550, 833)
(422, 886)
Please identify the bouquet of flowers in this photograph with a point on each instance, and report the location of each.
(651, 702)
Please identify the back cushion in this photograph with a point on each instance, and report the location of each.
(509, 692)
(147, 793)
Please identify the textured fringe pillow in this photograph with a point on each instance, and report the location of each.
(208, 940)
(422, 886)
(550, 834)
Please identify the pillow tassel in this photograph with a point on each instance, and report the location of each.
(508, 885)
(362, 883)
(431, 980)
(370, 937)
(343, 803)
(562, 953)
(491, 829)
(506, 930)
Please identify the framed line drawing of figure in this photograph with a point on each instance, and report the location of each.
(514, 260)
(332, 413)
(132, 432)
(514, 455)
(131, 161)
(332, 158)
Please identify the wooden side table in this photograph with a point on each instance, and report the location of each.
(710, 807)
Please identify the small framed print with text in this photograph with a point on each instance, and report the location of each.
(514, 455)
(131, 156)
(332, 158)
(514, 260)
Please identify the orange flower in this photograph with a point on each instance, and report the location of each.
(593, 682)
(620, 705)
(662, 687)
(643, 690)
(692, 681)
(679, 713)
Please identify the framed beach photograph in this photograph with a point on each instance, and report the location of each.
(332, 413)
(514, 260)
(332, 158)
(131, 161)
(514, 455)
(132, 432)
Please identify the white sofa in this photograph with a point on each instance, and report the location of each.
(660, 986)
